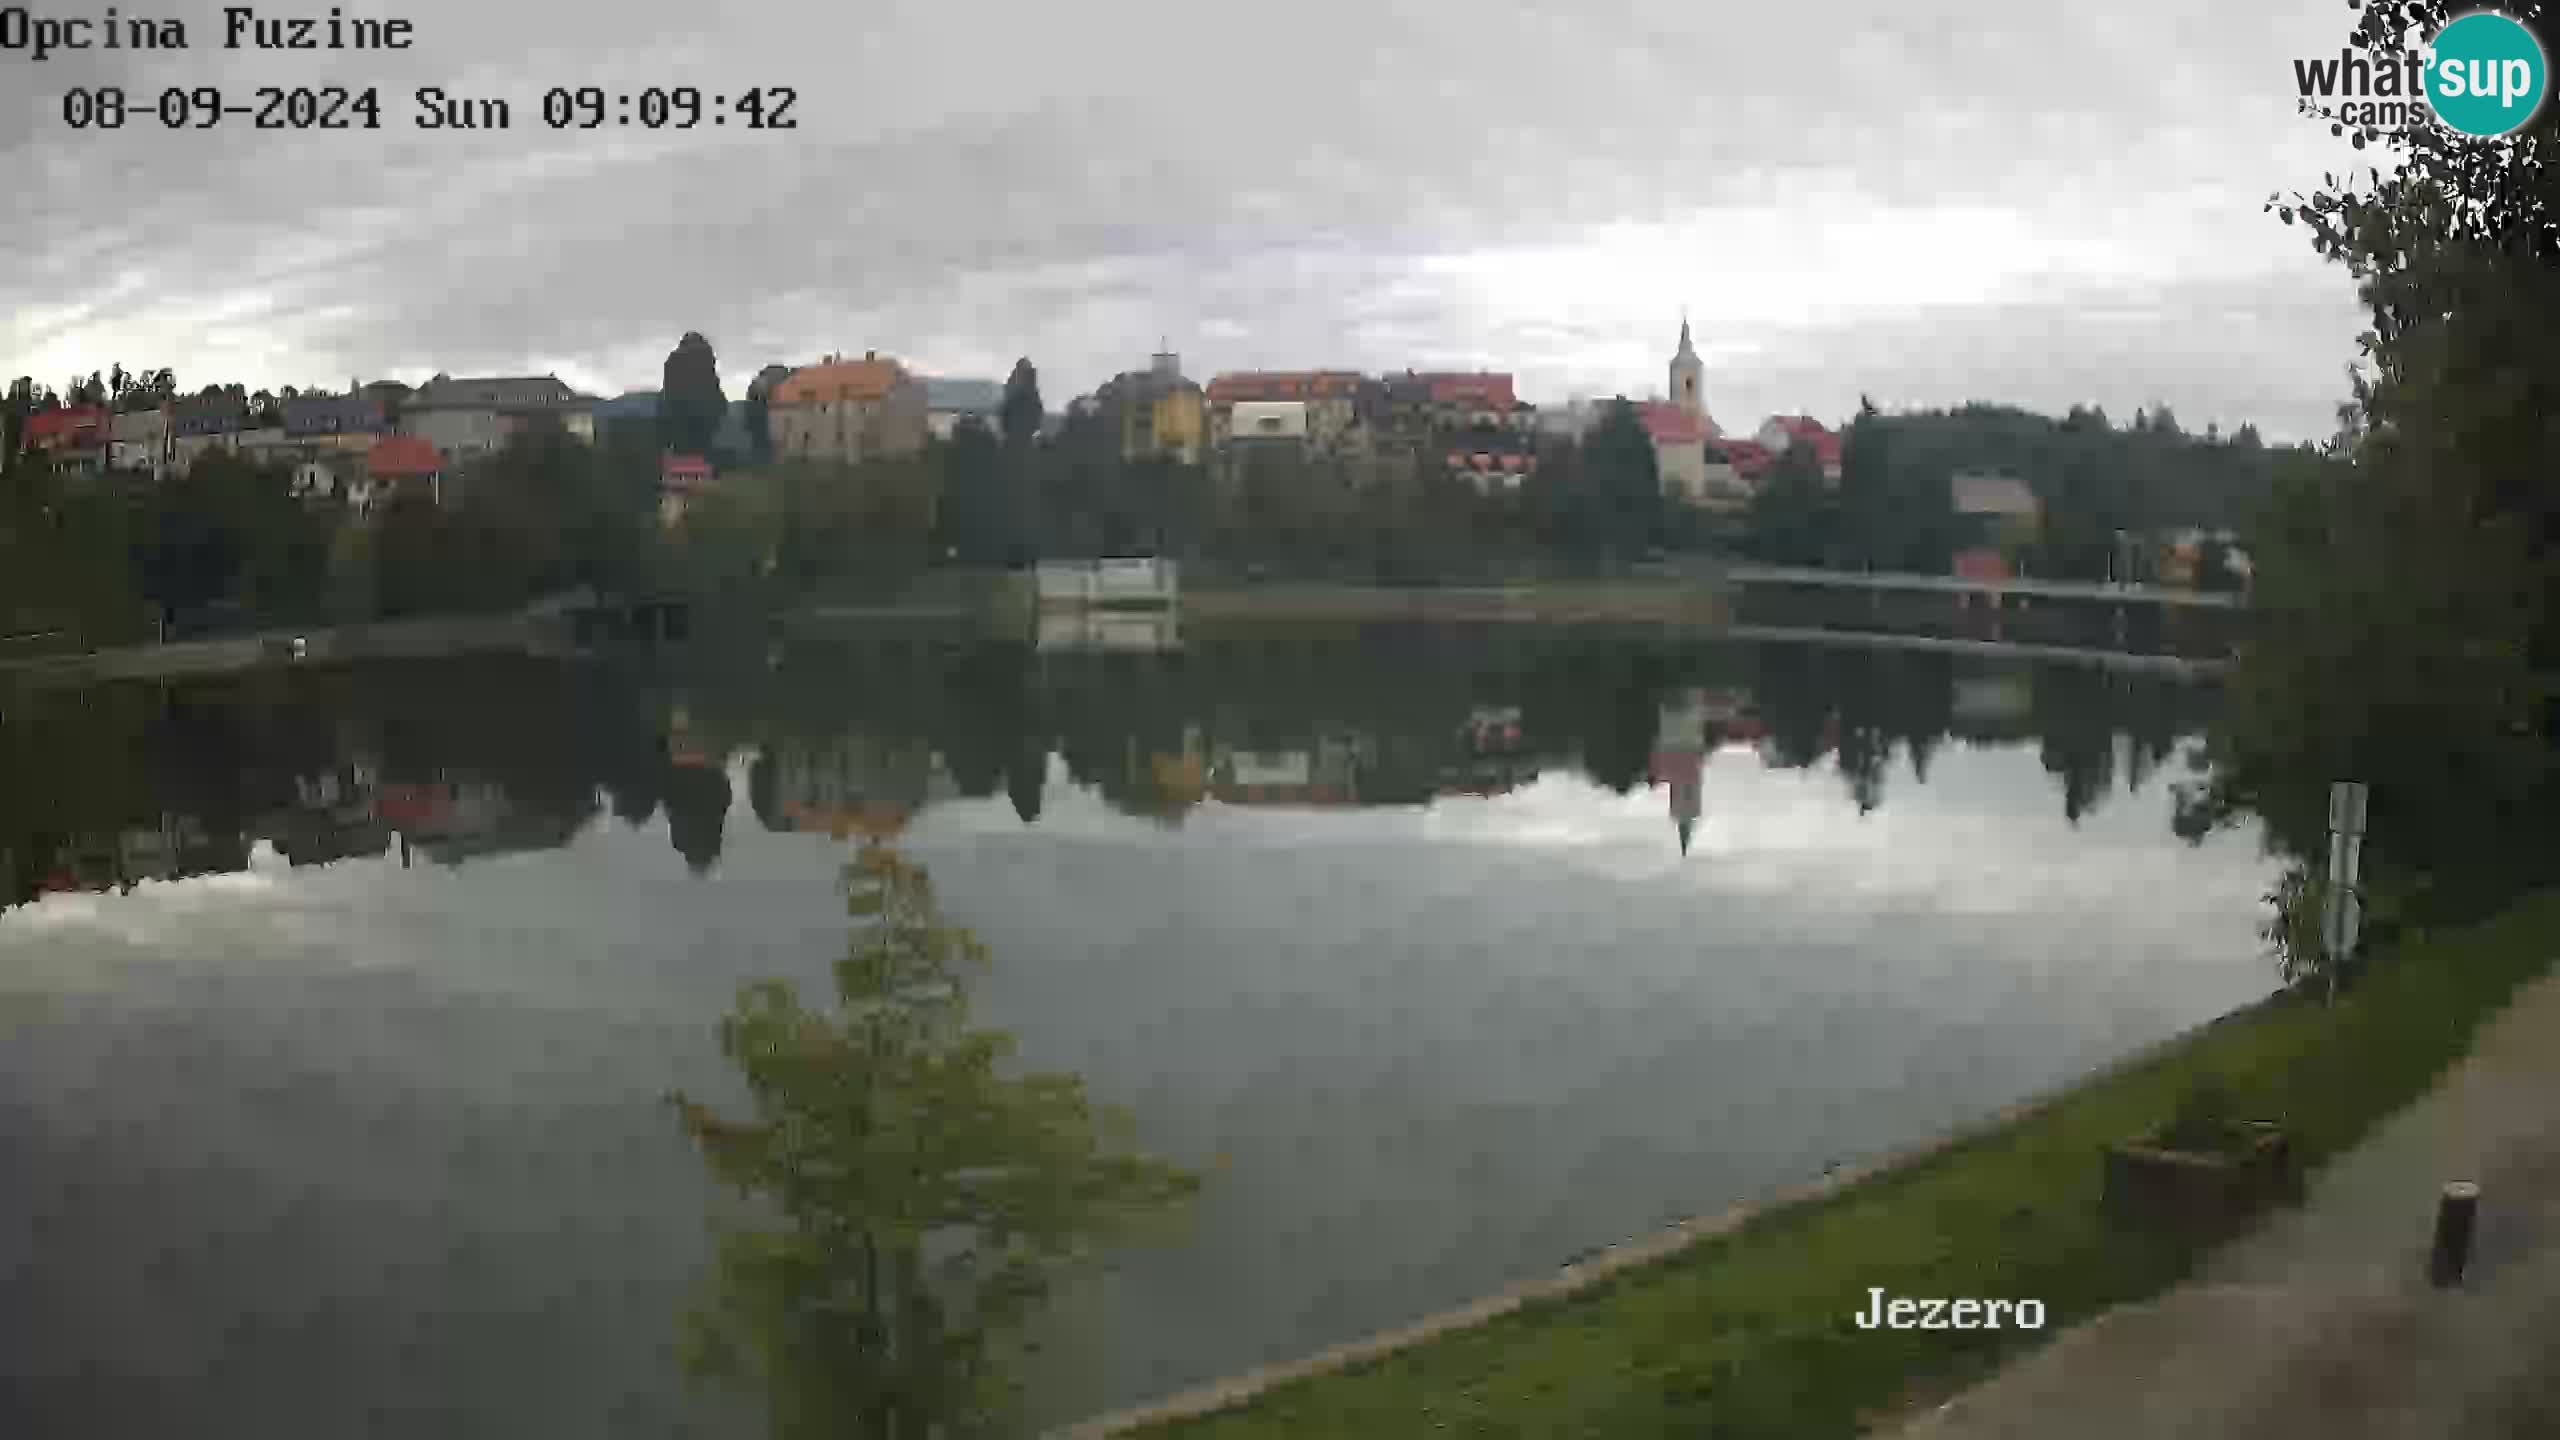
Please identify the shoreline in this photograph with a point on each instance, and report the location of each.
(1683, 605)
(1739, 1323)
(1608, 1261)
(426, 636)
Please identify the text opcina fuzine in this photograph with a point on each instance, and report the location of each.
(1885, 1312)
(240, 27)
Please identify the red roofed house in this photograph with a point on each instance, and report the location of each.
(403, 464)
(1735, 469)
(1482, 393)
(2000, 514)
(1307, 385)
(73, 436)
(1332, 398)
(680, 479)
(1781, 433)
(1981, 563)
(1493, 460)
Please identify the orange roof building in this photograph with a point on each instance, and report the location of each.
(869, 378)
(848, 410)
(1238, 385)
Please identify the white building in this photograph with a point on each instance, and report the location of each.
(464, 418)
(1268, 420)
(139, 441)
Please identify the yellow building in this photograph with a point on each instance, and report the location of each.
(1179, 421)
(1160, 413)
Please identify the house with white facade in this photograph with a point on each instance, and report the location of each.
(474, 416)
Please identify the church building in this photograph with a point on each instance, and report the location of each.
(1681, 427)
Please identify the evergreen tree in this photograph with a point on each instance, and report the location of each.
(690, 403)
(1619, 505)
(1018, 417)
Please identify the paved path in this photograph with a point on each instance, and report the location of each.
(2322, 1324)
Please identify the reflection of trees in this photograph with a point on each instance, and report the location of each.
(2077, 734)
(1922, 696)
(697, 803)
(1599, 702)
(1795, 703)
(1865, 747)
(77, 769)
(1025, 776)
(920, 1203)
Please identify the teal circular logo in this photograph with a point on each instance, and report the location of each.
(2487, 75)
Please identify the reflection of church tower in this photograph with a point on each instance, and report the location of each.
(1680, 757)
(1688, 376)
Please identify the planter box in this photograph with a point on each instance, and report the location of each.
(2198, 1192)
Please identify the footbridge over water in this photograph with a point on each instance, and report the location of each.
(2106, 593)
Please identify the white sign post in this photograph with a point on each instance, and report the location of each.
(2343, 916)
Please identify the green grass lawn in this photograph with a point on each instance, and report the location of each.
(1750, 1333)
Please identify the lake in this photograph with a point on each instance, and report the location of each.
(343, 1006)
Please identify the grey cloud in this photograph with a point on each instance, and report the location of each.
(1074, 181)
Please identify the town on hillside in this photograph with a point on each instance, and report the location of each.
(1405, 477)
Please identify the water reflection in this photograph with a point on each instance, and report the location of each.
(917, 1202)
(455, 762)
(383, 1151)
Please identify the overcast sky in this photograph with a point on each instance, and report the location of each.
(2010, 200)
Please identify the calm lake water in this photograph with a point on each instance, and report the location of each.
(342, 1007)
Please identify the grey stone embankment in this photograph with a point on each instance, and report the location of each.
(397, 639)
(1559, 602)
(2324, 1323)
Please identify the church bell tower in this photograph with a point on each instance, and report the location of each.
(1688, 375)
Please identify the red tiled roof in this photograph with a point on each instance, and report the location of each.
(1484, 390)
(1670, 425)
(1282, 385)
(47, 428)
(1749, 458)
(398, 456)
(1806, 429)
(684, 467)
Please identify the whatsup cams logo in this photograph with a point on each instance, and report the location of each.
(2484, 75)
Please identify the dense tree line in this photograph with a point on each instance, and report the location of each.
(2409, 576)
(227, 544)
(1892, 508)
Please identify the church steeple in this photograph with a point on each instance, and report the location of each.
(1688, 374)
